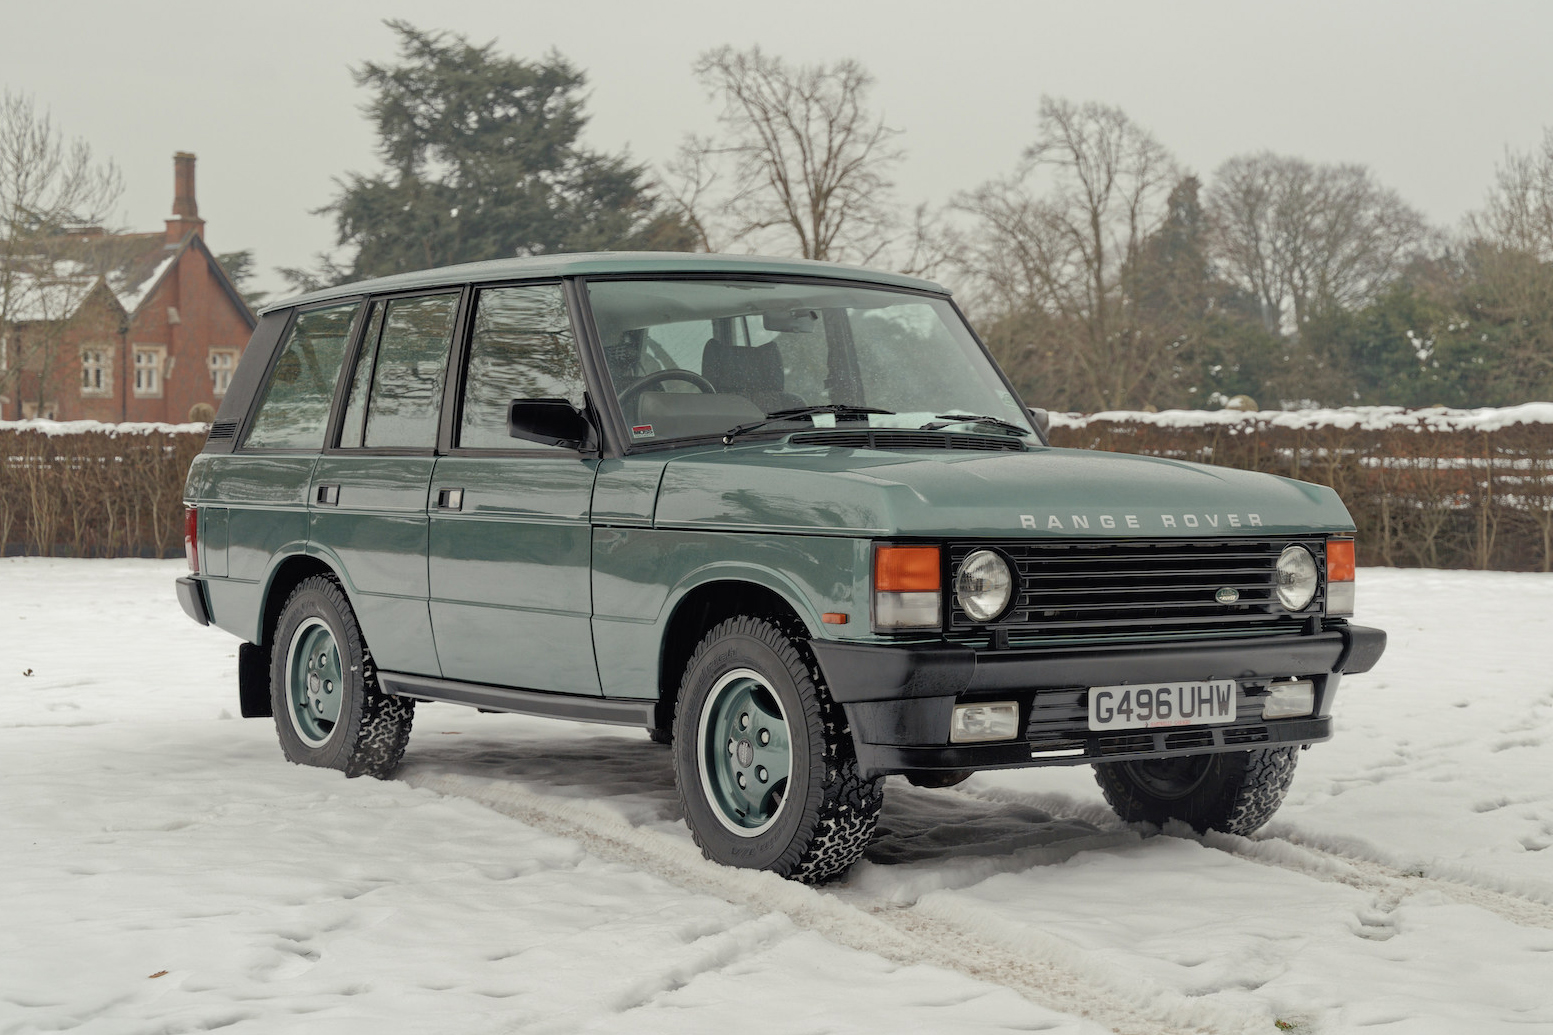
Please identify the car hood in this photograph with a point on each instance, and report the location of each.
(1042, 492)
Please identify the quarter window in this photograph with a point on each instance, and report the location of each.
(521, 348)
(295, 407)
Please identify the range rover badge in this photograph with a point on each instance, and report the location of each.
(1227, 595)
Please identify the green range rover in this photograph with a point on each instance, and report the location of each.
(789, 517)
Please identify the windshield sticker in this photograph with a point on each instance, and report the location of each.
(1076, 522)
(642, 431)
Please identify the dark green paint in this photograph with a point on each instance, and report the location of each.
(510, 601)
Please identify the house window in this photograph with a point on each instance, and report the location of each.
(96, 372)
(148, 371)
(222, 363)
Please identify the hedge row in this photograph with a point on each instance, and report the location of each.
(1449, 489)
(1426, 489)
(101, 491)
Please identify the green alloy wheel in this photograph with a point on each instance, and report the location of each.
(329, 711)
(315, 685)
(746, 752)
(764, 759)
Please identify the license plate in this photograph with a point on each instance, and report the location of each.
(1146, 706)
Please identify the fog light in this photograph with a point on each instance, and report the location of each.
(1289, 700)
(995, 720)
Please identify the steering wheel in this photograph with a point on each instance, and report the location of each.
(657, 377)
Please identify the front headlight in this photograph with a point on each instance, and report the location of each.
(1297, 577)
(983, 585)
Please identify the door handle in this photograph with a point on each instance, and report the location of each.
(329, 495)
(450, 499)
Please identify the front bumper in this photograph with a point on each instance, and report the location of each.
(900, 700)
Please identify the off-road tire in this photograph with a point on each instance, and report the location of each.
(1233, 791)
(829, 812)
(373, 728)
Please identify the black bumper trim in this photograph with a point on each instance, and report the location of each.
(878, 760)
(880, 672)
(191, 597)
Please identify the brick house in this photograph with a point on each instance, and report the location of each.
(125, 326)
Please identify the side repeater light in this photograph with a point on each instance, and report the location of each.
(1340, 577)
(908, 587)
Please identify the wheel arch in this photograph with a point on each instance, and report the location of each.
(287, 574)
(698, 610)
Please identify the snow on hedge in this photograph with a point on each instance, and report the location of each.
(1362, 418)
(97, 427)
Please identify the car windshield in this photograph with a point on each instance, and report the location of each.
(698, 358)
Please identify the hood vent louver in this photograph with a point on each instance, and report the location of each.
(888, 438)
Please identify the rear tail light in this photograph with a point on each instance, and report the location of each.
(1340, 573)
(908, 587)
(191, 537)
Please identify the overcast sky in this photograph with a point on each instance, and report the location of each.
(1427, 93)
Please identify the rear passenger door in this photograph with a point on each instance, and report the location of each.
(368, 500)
(510, 538)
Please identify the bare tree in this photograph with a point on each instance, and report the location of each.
(1053, 246)
(801, 164)
(1299, 236)
(1519, 213)
(51, 190)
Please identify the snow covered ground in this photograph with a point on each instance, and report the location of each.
(163, 869)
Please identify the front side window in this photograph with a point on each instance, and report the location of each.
(148, 370)
(295, 406)
(521, 348)
(96, 372)
(694, 358)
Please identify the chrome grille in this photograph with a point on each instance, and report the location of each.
(1118, 589)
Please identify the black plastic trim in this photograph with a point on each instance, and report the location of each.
(192, 599)
(526, 702)
(879, 760)
(1365, 646)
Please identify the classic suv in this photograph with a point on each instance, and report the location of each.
(788, 516)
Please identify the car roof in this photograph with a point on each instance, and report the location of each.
(579, 264)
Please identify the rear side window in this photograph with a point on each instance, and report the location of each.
(409, 371)
(295, 407)
(521, 348)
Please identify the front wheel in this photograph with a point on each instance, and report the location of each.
(1232, 791)
(764, 760)
(324, 694)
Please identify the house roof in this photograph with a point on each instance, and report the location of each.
(132, 265)
(544, 266)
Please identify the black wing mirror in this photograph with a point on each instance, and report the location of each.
(1043, 422)
(551, 422)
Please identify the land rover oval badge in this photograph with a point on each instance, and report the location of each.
(1227, 595)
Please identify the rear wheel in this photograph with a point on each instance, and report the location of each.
(324, 694)
(1233, 791)
(764, 759)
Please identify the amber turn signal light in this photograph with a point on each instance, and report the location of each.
(1340, 566)
(906, 569)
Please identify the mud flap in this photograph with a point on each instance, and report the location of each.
(253, 681)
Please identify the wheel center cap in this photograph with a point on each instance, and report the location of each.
(746, 753)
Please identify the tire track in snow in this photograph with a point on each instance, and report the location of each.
(1283, 846)
(1049, 972)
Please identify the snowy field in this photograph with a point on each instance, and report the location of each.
(163, 869)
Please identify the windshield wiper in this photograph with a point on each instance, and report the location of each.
(839, 410)
(944, 420)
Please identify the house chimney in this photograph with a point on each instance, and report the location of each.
(183, 186)
(186, 211)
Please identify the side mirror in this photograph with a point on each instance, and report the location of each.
(551, 422)
(1043, 422)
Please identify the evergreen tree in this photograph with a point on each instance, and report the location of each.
(482, 162)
